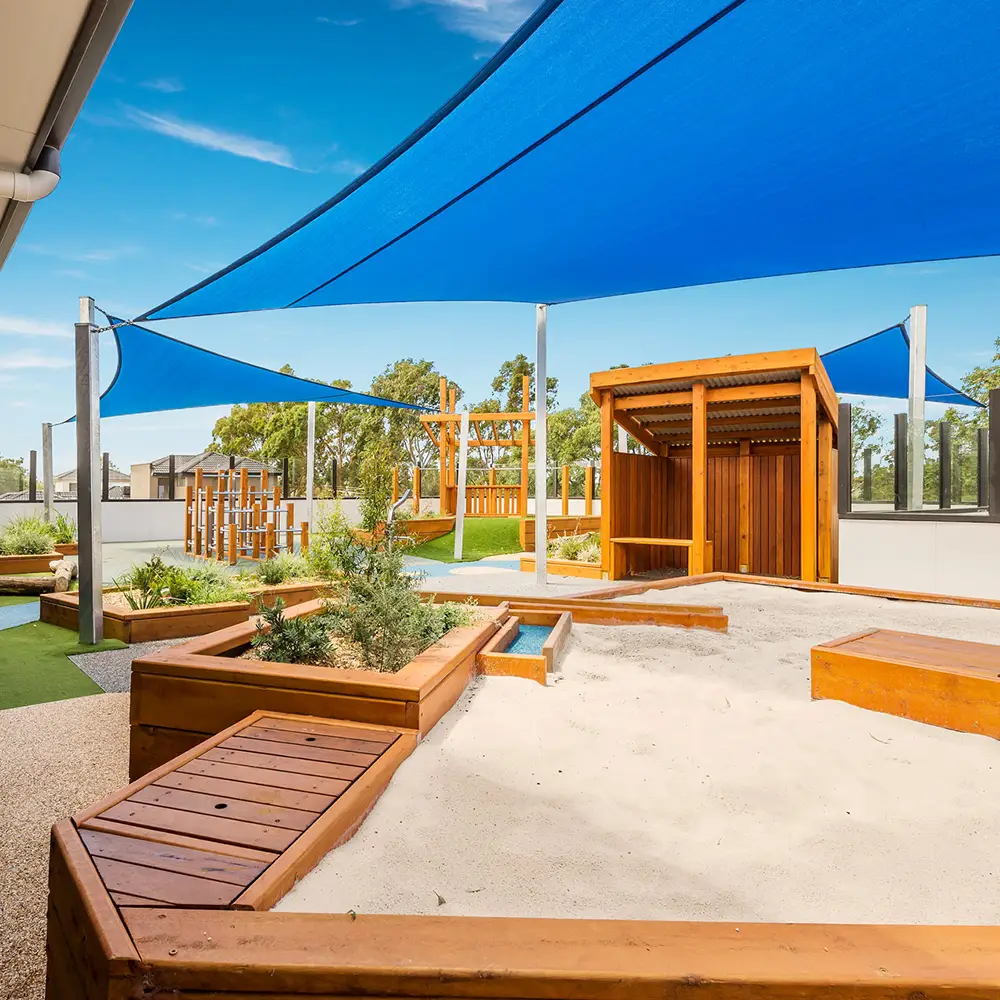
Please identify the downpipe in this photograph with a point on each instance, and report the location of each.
(40, 183)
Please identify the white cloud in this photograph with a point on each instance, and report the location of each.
(19, 360)
(345, 23)
(165, 85)
(485, 20)
(25, 327)
(213, 138)
(348, 166)
(102, 255)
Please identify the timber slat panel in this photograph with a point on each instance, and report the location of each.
(313, 739)
(384, 737)
(282, 763)
(214, 805)
(259, 776)
(203, 864)
(207, 827)
(942, 682)
(205, 830)
(247, 792)
(301, 752)
(168, 887)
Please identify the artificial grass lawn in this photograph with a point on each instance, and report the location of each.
(484, 536)
(34, 664)
(7, 601)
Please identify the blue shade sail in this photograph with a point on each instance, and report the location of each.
(616, 146)
(879, 365)
(158, 373)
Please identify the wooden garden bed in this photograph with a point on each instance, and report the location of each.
(557, 525)
(565, 567)
(175, 621)
(187, 692)
(13, 565)
(68, 548)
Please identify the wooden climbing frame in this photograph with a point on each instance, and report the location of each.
(234, 521)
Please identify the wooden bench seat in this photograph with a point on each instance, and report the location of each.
(944, 682)
(235, 821)
(682, 543)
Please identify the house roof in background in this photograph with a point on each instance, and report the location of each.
(208, 461)
(114, 476)
(50, 54)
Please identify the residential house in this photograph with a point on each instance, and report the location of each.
(151, 480)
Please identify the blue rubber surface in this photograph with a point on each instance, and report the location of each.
(12, 615)
(530, 639)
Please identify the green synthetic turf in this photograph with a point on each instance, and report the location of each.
(484, 536)
(7, 601)
(34, 664)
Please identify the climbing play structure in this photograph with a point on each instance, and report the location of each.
(487, 430)
(238, 520)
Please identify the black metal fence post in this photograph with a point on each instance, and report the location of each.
(172, 481)
(983, 467)
(944, 466)
(285, 485)
(333, 477)
(32, 474)
(105, 476)
(845, 463)
(866, 483)
(899, 462)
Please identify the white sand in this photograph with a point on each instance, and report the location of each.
(674, 774)
(475, 580)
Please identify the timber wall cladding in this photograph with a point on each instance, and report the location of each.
(654, 500)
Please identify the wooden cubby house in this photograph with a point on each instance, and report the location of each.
(741, 473)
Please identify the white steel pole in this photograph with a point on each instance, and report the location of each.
(88, 474)
(463, 472)
(47, 471)
(541, 448)
(310, 460)
(915, 423)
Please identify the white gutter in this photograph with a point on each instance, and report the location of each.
(38, 184)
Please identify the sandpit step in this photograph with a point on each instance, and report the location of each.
(943, 682)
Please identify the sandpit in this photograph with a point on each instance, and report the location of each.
(679, 775)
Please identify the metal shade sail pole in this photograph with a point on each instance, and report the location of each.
(88, 454)
(310, 460)
(463, 473)
(918, 382)
(541, 448)
(47, 471)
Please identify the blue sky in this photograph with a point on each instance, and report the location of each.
(214, 125)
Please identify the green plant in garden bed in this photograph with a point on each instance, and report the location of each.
(155, 584)
(577, 548)
(291, 640)
(377, 610)
(281, 569)
(63, 529)
(26, 535)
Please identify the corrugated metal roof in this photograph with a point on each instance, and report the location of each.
(711, 381)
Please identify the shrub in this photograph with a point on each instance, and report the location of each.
(63, 531)
(25, 535)
(155, 583)
(578, 548)
(281, 568)
(291, 640)
(376, 487)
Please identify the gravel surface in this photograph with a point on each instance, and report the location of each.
(112, 669)
(57, 758)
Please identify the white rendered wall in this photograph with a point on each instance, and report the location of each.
(933, 557)
(123, 520)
